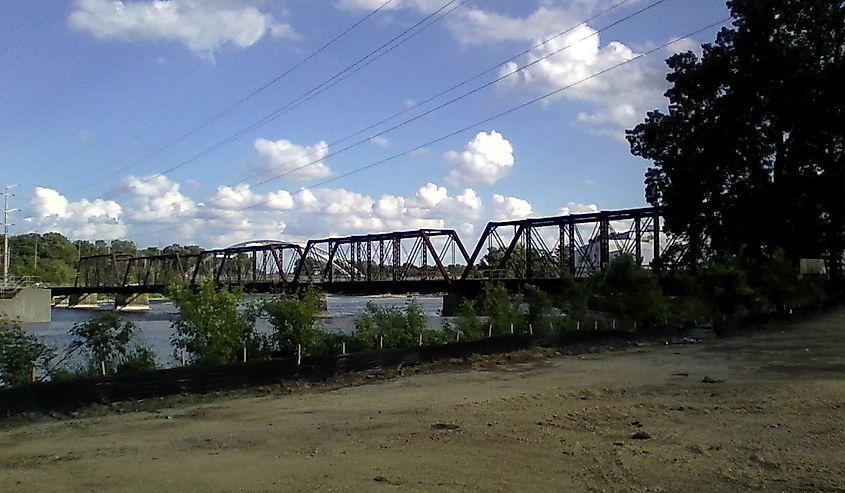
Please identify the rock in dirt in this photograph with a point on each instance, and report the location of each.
(445, 426)
(640, 435)
(710, 380)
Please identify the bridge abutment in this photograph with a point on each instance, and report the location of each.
(27, 305)
(451, 304)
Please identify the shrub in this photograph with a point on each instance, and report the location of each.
(294, 321)
(468, 323)
(138, 359)
(502, 309)
(104, 340)
(212, 327)
(21, 355)
(396, 327)
(539, 305)
(629, 291)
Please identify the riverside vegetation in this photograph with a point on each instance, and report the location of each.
(218, 326)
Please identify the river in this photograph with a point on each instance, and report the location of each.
(154, 325)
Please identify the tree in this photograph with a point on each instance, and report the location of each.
(749, 156)
(294, 321)
(105, 339)
(21, 354)
(212, 327)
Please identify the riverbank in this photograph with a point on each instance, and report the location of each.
(764, 411)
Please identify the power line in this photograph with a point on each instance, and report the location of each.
(463, 83)
(240, 101)
(453, 100)
(473, 125)
(319, 89)
(463, 96)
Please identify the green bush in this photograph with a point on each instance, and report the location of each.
(539, 305)
(629, 291)
(502, 309)
(468, 323)
(396, 327)
(105, 340)
(213, 327)
(294, 321)
(21, 355)
(138, 359)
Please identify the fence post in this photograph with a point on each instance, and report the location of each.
(551, 326)
(343, 347)
(244, 354)
(457, 336)
(596, 325)
(183, 356)
(613, 325)
(33, 374)
(490, 331)
(103, 367)
(511, 327)
(298, 354)
(381, 342)
(420, 338)
(578, 325)
(530, 329)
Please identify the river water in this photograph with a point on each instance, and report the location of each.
(154, 326)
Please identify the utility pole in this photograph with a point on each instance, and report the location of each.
(6, 211)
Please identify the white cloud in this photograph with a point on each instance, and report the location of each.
(619, 98)
(82, 219)
(380, 141)
(283, 157)
(507, 208)
(576, 208)
(202, 26)
(157, 199)
(487, 159)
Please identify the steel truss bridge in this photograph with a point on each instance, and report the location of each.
(538, 251)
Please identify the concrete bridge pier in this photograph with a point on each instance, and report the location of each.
(452, 303)
(83, 301)
(131, 302)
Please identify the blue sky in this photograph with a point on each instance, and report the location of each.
(101, 97)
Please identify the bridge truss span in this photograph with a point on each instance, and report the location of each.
(423, 254)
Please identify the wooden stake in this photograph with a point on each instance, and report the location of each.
(244, 354)
(596, 325)
(511, 328)
(530, 330)
(183, 357)
(635, 325)
(551, 326)
(457, 336)
(490, 331)
(578, 325)
(298, 354)
(343, 347)
(613, 325)
(103, 367)
(420, 339)
(381, 342)
(33, 373)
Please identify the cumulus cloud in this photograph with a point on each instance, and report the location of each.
(576, 208)
(83, 219)
(618, 98)
(283, 157)
(157, 199)
(203, 26)
(487, 159)
(507, 208)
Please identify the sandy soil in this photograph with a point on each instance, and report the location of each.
(762, 412)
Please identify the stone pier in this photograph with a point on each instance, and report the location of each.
(451, 304)
(83, 301)
(131, 302)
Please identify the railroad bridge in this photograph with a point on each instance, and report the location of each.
(539, 251)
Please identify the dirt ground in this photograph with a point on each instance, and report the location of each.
(764, 412)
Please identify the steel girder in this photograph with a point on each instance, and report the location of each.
(574, 245)
(421, 254)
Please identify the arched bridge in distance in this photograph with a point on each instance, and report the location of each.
(539, 251)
